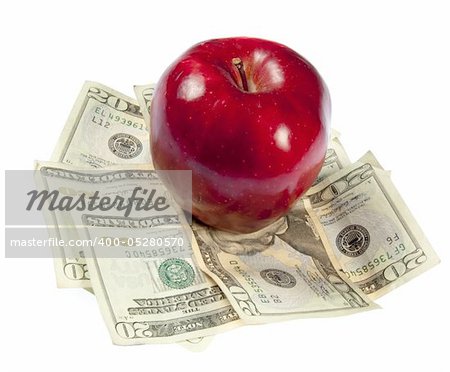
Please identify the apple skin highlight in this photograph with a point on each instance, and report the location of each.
(254, 135)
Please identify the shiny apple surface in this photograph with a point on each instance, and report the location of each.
(250, 118)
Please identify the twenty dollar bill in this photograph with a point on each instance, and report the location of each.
(104, 128)
(278, 273)
(367, 229)
(139, 260)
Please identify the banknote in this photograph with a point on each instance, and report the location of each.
(278, 273)
(367, 229)
(104, 128)
(141, 265)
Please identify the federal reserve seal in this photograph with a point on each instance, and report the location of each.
(176, 273)
(124, 145)
(353, 240)
(278, 278)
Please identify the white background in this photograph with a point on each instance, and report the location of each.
(387, 66)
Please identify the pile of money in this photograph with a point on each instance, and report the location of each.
(348, 241)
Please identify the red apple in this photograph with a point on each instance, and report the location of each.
(250, 118)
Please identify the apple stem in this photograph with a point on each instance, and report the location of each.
(237, 62)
